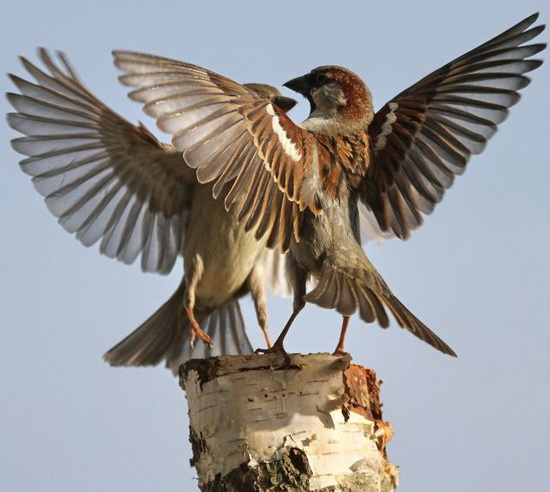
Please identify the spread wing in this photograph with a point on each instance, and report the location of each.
(425, 136)
(104, 178)
(258, 159)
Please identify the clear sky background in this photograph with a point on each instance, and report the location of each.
(477, 272)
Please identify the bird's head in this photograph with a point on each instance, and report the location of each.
(336, 94)
(272, 94)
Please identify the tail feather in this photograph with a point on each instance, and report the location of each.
(165, 336)
(366, 291)
(408, 320)
(378, 311)
(160, 334)
(226, 327)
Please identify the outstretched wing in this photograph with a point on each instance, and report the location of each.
(426, 135)
(103, 177)
(255, 155)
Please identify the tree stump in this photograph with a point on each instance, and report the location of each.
(296, 423)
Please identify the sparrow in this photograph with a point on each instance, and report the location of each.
(111, 181)
(301, 188)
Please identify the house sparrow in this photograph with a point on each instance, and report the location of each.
(304, 186)
(109, 180)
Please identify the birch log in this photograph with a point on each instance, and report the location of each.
(301, 423)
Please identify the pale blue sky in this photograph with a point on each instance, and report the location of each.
(477, 272)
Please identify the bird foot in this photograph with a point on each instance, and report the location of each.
(340, 351)
(275, 349)
(196, 332)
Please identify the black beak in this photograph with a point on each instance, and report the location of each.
(285, 103)
(301, 85)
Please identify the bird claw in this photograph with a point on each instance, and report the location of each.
(196, 332)
(340, 352)
(275, 349)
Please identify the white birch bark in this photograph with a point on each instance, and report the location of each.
(266, 423)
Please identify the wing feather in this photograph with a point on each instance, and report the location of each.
(425, 136)
(255, 156)
(104, 178)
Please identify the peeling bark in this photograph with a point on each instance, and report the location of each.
(300, 423)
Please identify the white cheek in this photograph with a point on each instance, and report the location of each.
(386, 127)
(328, 98)
(288, 145)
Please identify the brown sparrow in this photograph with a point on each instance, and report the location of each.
(302, 188)
(106, 179)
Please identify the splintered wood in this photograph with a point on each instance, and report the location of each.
(301, 423)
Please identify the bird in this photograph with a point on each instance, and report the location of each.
(304, 186)
(107, 179)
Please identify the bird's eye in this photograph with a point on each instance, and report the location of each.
(319, 78)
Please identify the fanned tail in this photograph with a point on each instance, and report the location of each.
(165, 336)
(363, 289)
(225, 326)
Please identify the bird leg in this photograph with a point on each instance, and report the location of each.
(192, 276)
(278, 346)
(196, 330)
(255, 283)
(297, 277)
(266, 336)
(339, 350)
